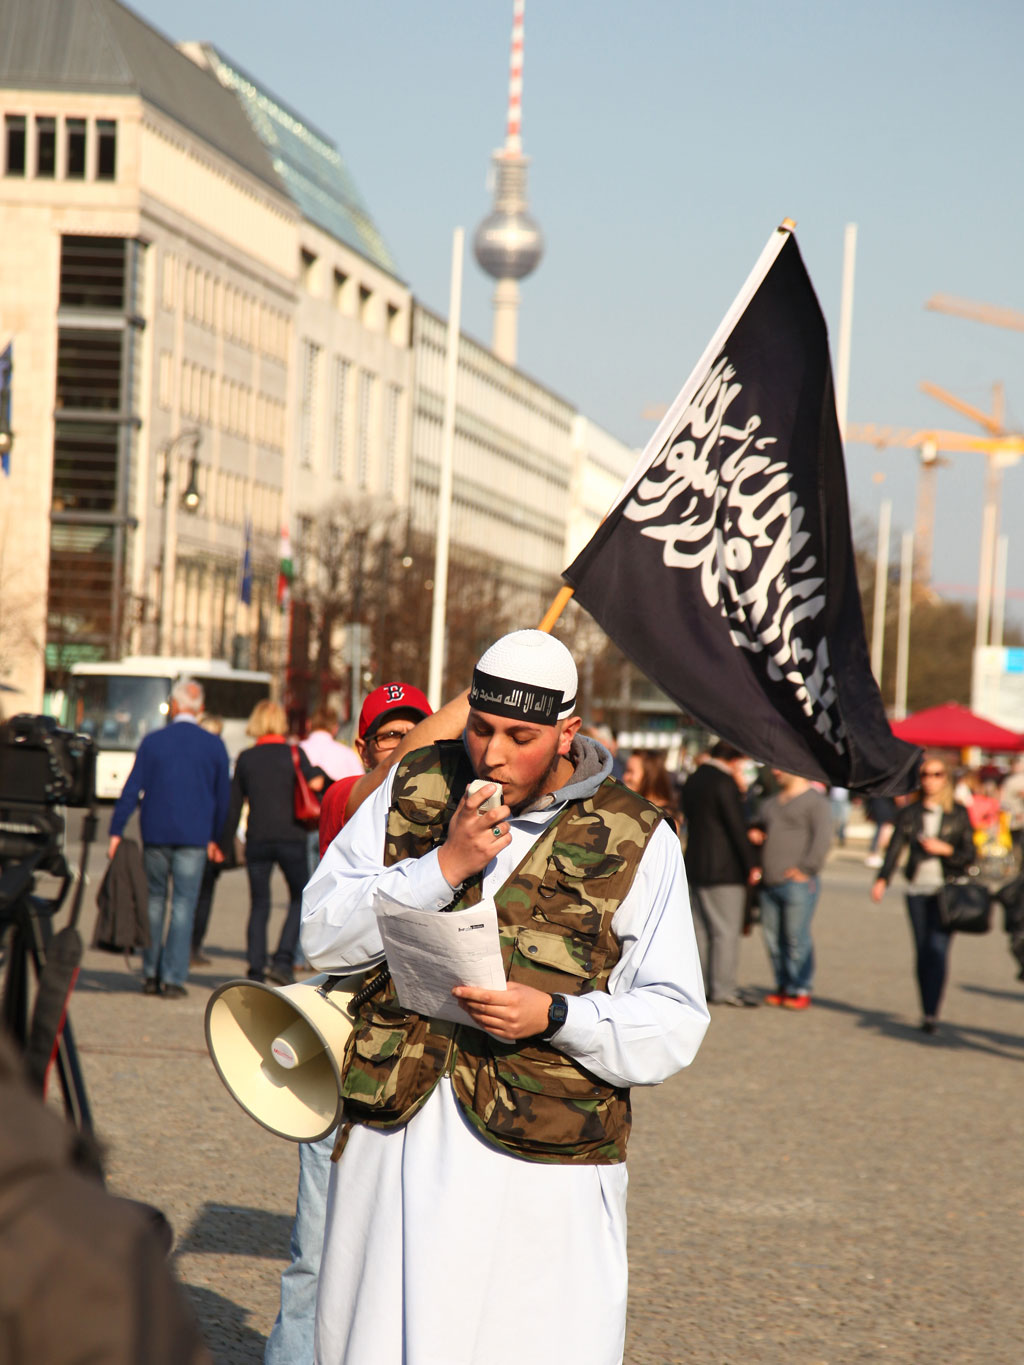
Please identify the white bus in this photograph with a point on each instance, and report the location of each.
(118, 704)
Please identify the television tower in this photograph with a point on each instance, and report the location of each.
(508, 244)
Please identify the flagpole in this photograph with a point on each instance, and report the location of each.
(845, 327)
(444, 494)
(903, 634)
(558, 605)
(881, 584)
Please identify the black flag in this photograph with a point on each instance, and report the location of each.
(726, 570)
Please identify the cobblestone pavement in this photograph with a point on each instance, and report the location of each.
(826, 1188)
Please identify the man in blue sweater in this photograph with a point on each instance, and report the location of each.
(181, 774)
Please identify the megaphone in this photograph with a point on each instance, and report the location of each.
(279, 1049)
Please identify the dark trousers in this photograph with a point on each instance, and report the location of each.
(260, 858)
(204, 904)
(931, 948)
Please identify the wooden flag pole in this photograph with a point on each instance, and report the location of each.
(553, 612)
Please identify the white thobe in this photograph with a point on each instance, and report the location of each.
(441, 1249)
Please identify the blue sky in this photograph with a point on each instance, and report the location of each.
(667, 141)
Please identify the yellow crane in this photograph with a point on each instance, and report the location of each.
(1000, 448)
(978, 312)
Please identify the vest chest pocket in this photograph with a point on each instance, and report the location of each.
(556, 962)
(578, 888)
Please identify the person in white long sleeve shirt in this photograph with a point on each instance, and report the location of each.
(460, 1231)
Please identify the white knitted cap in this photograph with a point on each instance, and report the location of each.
(528, 675)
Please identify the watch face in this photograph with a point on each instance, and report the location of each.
(558, 1010)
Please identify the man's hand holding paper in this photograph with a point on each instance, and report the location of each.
(431, 954)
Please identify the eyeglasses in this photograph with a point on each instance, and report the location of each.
(387, 739)
(933, 772)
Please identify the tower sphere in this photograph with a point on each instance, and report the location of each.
(507, 245)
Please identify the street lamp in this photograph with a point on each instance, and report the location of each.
(191, 497)
(189, 502)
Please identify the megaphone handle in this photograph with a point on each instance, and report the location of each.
(370, 989)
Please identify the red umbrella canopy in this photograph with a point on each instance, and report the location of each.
(954, 727)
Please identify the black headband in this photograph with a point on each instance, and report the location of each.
(521, 701)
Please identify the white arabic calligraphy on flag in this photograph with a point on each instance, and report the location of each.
(741, 526)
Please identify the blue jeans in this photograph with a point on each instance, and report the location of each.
(183, 866)
(291, 857)
(931, 951)
(291, 1340)
(786, 911)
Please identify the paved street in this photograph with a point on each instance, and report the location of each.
(825, 1188)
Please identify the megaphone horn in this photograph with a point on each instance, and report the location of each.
(279, 1050)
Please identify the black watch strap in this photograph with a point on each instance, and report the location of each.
(558, 1012)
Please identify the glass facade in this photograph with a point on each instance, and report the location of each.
(310, 166)
(94, 427)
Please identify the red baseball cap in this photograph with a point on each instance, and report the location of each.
(392, 699)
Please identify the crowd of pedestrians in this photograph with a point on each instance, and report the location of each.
(755, 841)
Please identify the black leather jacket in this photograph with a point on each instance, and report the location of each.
(954, 829)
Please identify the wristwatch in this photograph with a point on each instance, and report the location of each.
(558, 1012)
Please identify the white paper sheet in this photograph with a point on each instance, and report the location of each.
(429, 953)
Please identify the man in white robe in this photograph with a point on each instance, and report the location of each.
(442, 1249)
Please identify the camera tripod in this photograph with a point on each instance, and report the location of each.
(44, 1035)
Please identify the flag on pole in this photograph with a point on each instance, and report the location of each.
(284, 572)
(245, 587)
(726, 571)
(6, 370)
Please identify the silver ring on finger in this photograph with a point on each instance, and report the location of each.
(498, 832)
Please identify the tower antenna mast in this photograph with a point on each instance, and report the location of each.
(508, 244)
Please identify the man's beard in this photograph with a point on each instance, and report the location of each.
(537, 788)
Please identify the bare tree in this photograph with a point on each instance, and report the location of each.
(21, 621)
(360, 563)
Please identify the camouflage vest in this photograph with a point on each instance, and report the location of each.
(555, 917)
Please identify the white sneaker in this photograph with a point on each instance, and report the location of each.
(873, 860)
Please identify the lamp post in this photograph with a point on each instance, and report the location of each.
(189, 501)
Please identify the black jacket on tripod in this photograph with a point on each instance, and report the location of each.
(122, 924)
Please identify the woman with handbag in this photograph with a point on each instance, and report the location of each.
(277, 780)
(938, 832)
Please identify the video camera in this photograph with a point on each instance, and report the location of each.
(42, 769)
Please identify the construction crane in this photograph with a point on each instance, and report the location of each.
(978, 312)
(1000, 448)
(994, 317)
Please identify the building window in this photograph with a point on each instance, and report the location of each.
(88, 370)
(394, 324)
(92, 272)
(339, 448)
(309, 271)
(164, 380)
(364, 417)
(74, 129)
(307, 430)
(85, 461)
(106, 149)
(365, 305)
(391, 438)
(168, 287)
(340, 291)
(14, 137)
(46, 147)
